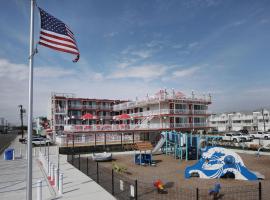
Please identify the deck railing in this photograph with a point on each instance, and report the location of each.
(127, 127)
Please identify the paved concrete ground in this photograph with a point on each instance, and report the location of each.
(76, 185)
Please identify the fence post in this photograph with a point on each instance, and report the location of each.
(260, 191)
(72, 158)
(136, 190)
(39, 190)
(87, 166)
(197, 193)
(97, 174)
(56, 178)
(112, 182)
(61, 180)
(79, 161)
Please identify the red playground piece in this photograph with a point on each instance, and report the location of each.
(160, 186)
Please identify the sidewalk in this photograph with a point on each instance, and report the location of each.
(76, 184)
(13, 177)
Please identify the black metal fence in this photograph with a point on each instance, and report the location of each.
(125, 188)
(118, 185)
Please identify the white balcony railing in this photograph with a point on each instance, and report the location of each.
(200, 112)
(126, 127)
(165, 112)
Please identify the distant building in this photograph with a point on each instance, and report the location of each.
(257, 120)
(2, 124)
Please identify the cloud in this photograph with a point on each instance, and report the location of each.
(185, 72)
(143, 53)
(111, 34)
(145, 71)
(17, 71)
(12, 70)
(239, 22)
(193, 45)
(52, 72)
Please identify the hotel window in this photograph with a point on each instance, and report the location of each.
(180, 106)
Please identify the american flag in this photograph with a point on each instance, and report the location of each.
(56, 35)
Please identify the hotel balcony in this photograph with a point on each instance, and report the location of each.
(167, 112)
(94, 107)
(60, 111)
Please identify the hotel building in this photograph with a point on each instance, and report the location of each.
(165, 110)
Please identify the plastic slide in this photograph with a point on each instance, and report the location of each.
(159, 144)
(218, 162)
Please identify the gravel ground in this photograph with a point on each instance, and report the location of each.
(171, 172)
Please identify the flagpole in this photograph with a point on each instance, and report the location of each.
(30, 105)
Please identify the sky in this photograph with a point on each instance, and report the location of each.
(130, 48)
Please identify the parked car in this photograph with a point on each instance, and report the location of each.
(233, 136)
(245, 131)
(39, 140)
(246, 136)
(260, 135)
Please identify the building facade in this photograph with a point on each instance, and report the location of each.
(257, 120)
(165, 110)
(67, 110)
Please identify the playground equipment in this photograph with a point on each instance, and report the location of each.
(160, 187)
(143, 159)
(267, 146)
(102, 156)
(215, 191)
(218, 162)
(178, 144)
(182, 145)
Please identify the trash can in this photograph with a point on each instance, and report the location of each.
(8, 155)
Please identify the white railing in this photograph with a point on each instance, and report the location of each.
(75, 106)
(97, 137)
(164, 112)
(156, 99)
(181, 111)
(200, 125)
(60, 110)
(90, 107)
(182, 125)
(124, 127)
(200, 112)
(59, 122)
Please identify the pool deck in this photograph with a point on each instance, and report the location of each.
(76, 184)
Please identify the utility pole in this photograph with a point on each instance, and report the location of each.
(263, 120)
(22, 110)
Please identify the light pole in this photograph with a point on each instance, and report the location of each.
(263, 120)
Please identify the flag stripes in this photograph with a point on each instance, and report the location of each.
(56, 35)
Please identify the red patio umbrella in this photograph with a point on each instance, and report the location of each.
(88, 116)
(123, 116)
